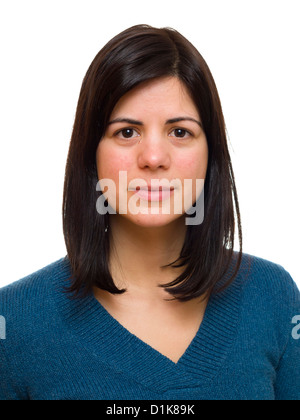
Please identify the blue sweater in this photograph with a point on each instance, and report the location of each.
(56, 348)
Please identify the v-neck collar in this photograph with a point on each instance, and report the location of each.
(104, 337)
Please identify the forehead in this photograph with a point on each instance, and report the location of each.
(164, 97)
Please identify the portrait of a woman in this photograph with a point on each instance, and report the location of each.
(152, 302)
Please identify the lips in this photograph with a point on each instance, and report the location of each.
(154, 193)
(155, 189)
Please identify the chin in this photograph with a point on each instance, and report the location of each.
(154, 221)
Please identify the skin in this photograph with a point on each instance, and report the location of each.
(153, 148)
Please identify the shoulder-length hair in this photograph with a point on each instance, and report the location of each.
(136, 55)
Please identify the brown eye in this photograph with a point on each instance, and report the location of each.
(127, 133)
(180, 133)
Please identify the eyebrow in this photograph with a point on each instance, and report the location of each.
(171, 121)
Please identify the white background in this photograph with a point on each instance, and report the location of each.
(252, 48)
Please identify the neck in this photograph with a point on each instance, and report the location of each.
(138, 253)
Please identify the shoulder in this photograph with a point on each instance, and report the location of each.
(270, 297)
(37, 282)
(270, 280)
(30, 319)
(27, 298)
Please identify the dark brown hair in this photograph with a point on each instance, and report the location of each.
(139, 54)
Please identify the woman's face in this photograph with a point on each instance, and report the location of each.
(152, 153)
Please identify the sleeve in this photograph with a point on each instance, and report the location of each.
(7, 389)
(287, 386)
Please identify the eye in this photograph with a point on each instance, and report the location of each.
(127, 133)
(180, 133)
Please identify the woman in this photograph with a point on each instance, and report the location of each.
(151, 302)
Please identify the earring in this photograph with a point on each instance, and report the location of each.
(106, 229)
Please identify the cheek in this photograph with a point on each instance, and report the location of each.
(194, 165)
(110, 162)
(192, 169)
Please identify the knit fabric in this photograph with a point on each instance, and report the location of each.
(58, 348)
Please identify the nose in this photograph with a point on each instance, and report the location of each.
(154, 153)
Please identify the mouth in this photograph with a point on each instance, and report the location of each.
(155, 189)
(151, 193)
